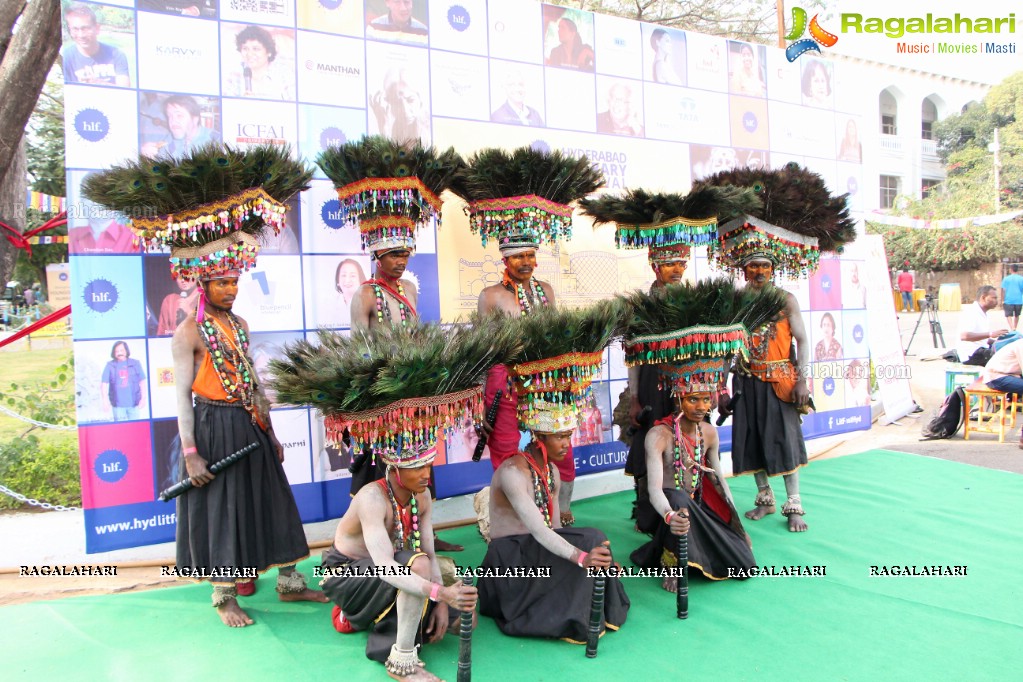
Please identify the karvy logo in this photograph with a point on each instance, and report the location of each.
(458, 18)
(111, 465)
(92, 124)
(803, 45)
(100, 295)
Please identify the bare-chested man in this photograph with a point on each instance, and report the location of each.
(243, 520)
(519, 293)
(526, 532)
(766, 435)
(389, 525)
(387, 298)
(687, 493)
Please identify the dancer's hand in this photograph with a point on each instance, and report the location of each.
(679, 522)
(438, 623)
(459, 596)
(599, 557)
(196, 468)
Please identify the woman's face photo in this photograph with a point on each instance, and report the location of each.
(747, 58)
(819, 83)
(828, 327)
(348, 278)
(255, 55)
(664, 44)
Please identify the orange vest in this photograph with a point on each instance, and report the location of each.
(208, 385)
(771, 358)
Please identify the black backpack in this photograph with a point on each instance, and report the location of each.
(949, 418)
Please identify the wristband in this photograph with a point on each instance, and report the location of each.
(434, 591)
(667, 517)
(581, 559)
(188, 450)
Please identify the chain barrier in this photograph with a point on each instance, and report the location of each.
(35, 422)
(36, 503)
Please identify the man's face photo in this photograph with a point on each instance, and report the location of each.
(400, 11)
(405, 102)
(180, 122)
(84, 32)
(619, 104)
(515, 88)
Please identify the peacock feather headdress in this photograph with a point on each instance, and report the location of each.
(211, 207)
(397, 389)
(692, 331)
(389, 188)
(798, 218)
(658, 220)
(520, 198)
(561, 356)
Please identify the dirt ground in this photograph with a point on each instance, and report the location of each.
(927, 380)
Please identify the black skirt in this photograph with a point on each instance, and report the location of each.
(766, 434)
(713, 545)
(369, 603)
(556, 607)
(246, 516)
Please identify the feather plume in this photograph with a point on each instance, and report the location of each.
(640, 207)
(495, 173)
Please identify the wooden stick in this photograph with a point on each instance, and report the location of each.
(682, 588)
(185, 485)
(465, 641)
(596, 612)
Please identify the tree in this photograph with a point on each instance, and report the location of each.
(750, 20)
(29, 43)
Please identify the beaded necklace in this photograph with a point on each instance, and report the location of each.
(694, 452)
(384, 310)
(525, 304)
(228, 351)
(406, 522)
(542, 486)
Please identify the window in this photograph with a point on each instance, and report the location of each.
(888, 124)
(927, 131)
(928, 185)
(889, 190)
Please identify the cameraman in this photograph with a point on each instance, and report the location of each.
(975, 335)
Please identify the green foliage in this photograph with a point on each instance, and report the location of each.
(33, 268)
(43, 466)
(44, 152)
(51, 401)
(959, 249)
(43, 469)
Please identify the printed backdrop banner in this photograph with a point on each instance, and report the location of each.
(651, 108)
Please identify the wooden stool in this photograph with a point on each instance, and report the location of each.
(1002, 413)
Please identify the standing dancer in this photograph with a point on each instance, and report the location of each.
(690, 334)
(520, 199)
(798, 219)
(667, 225)
(244, 519)
(401, 197)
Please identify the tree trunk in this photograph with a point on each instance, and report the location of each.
(30, 53)
(12, 210)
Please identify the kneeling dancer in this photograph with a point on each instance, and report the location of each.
(526, 531)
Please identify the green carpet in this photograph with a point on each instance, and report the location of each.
(876, 508)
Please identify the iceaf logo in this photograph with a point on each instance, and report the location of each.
(803, 45)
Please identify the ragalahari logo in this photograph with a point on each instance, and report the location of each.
(803, 45)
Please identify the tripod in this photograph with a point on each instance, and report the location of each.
(927, 306)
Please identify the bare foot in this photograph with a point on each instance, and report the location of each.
(796, 523)
(567, 519)
(759, 512)
(442, 546)
(421, 675)
(670, 584)
(232, 614)
(304, 595)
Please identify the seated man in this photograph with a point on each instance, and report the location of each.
(389, 525)
(526, 532)
(687, 492)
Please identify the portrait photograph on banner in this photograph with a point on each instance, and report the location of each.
(257, 62)
(664, 55)
(173, 125)
(568, 38)
(99, 45)
(93, 228)
(398, 92)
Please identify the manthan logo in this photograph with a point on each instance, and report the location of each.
(803, 45)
